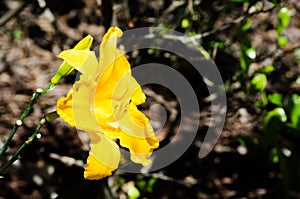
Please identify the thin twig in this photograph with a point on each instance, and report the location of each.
(19, 151)
(10, 14)
(19, 122)
(49, 117)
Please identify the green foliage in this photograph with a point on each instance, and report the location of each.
(146, 185)
(266, 69)
(283, 22)
(17, 34)
(185, 23)
(294, 110)
(274, 156)
(273, 124)
(297, 55)
(246, 26)
(282, 40)
(258, 82)
(276, 99)
(247, 51)
(283, 19)
(138, 188)
(133, 192)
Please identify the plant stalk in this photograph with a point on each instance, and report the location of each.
(19, 122)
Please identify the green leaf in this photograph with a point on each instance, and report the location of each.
(273, 124)
(141, 183)
(259, 82)
(17, 34)
(251, 53)
(274, 156)
(191, 33)
(247, 25)
(266, 69)
(150, 184)
(282, 41)
(264, 98)
(298, 80)
(297, 55)
(276, 99)
(294, 110)
(283, 20)
(133, 192)
(185, 23)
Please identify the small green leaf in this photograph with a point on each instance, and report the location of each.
(283, 18)
(191, 33)
(282, 41)
(298, 80)
(267, 69)
(17, 34)
(259, 82)
(185, 23)
(247, 25)
(297, 55)
(264, 98)
(251, 53)
(273, 124)
(141, 183)
(133, 192)
(274, 156)
(276, 99)
(150, 184)
(294, 110)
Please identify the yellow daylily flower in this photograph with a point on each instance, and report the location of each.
(103, 103)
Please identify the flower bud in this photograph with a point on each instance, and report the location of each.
(65, 68)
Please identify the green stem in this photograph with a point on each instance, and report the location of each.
(19, 122)
(19, 151)
(284, 173)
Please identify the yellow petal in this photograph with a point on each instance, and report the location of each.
(78, 105)
(64, 108)
(137, 135)
(115, 106)
(113, 65)
(112, 32)
(84, 116)
(103, 158)
(84, 61)
(137, 97)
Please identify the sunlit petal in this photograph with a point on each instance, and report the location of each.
(64, 108)
(137, 96)
(137, 135)
(84, 117)
(103, 158)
